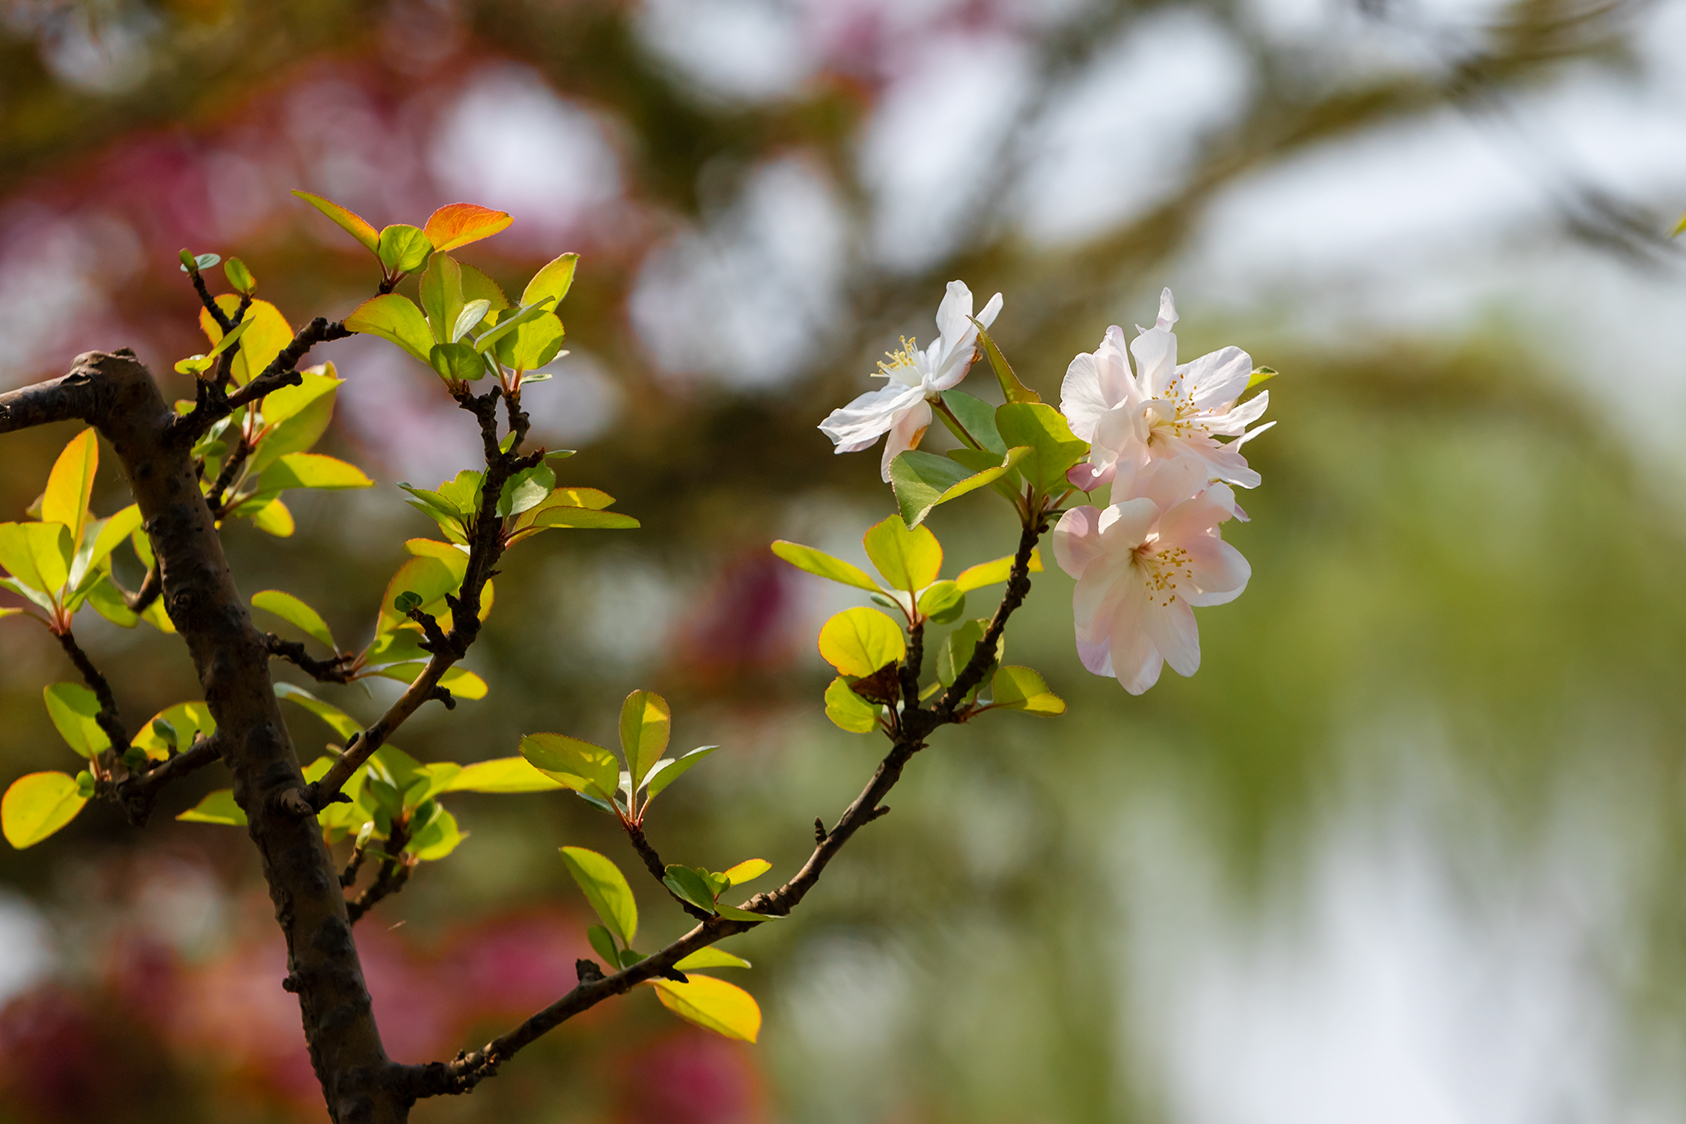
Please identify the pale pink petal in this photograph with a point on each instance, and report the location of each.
(1096, 654)
(1135, 659)
(1191, 518)
(1081, 399)
(1156, 360)
(857, 425)
(1088, 477)
(1218, 378)
(1096, 598)
(1167, 310)
(1174, 634)
(1125, 526)
(1229, 423)
(909, 428)
(1077, 539)
(1169, 481)
(1217, 569)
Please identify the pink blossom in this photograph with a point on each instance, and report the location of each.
(1143, 564)
(1162, 411)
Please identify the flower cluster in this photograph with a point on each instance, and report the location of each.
(1166, 438)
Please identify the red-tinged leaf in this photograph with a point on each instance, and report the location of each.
(348, 221)
(458, 224)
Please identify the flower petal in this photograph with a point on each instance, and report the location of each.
(954, 314)
(1219, 572)
(1125, 526)
(1217, 378)
(1156, 361)
(1167, 310)
(860, 423)
(905, 435)
(1077, 539)
(1174, 634)
(1135, 659)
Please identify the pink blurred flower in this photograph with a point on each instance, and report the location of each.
(692, 1078)
(902, 408)
(1143, 564)
(1164, 410)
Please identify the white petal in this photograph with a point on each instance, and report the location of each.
(1077, 539)
(1220, 573)
(1167, 310)
(1156, 360)
(1175, 634)
(1217, 377)
(1231, 422)
(1135, 659)
(990, 311)
(1195, 516)
(954, 314)
(869, 416)
(1169, 481)
(909, 428)
(1081, 399)
(1125, 526)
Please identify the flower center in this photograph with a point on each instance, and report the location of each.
(1164, 571)
(902, 364)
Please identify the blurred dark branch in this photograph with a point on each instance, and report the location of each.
(336, 670)
(395, 870)
(141, 599)
(137, 793)
(110, 721)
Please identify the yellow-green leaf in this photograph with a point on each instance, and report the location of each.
(503, 774)
(348, 221)
(74, 710)
(857, 642)
(712, 1004)
(553, 280)
(403, 248)
(441, 295)
(394, 318)
(909, 559)
(37, 805)
(666, 772)
(711, 957)
(824, 565)
(580, 765)
(264, 332)
(847, 710)
(343, 724)
(71, 484)
(996, 572)
(1020, 688)
(747, 871)
(37, 554)
(605, 888)
(274, 518)
(296, 613)
(217, 807)
(187, 719)
(1011, 387)
(314, 470)
(112, 532)
(646, 723)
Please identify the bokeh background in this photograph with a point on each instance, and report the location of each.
(1407, 849)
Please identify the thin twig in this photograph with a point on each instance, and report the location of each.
(110, 721)
(395, 871)
(336, 670)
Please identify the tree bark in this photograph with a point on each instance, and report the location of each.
(117, 395)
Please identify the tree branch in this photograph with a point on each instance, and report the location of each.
(139, 792)
(396, 868)
(110, 721)
(212, 408)
(336, 670)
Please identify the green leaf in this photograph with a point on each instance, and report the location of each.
(1020, 688)
(1678, 227)
(74, 710)
(996, 572)
(472, 313)
(458, 224)
(646, 723)
(239, 277)
(441, 295)
(824, 565)
(1260, 374)
(922, 481)
(38, 555)
(502, 775)
(186, 720)
(978, 417)
(908, 557)
(70, 485)
(313, 470)
(735, 913)
(957, 650)
(1054, 449)
(711, 957)
(689, 886)
(295, 417)
(747, 871)
(847, 710)
(438, 837)
(403, 248)
(580, 765)
(456, 362)
(857, 642)
(664, 773)
(553, 281)
(1011, 387)
(462, 491)
(296, 613)
(604, 945)
(342, 723)
(346, 220)
(38, 804)
(217, 807)
(477, 286)
(111, 532)
(712, 1004)
(507, 323)
(264, 332)
(533, 343)
(605, 888)
(462, 683)
(943, 602)
(394, 318)
(526, 490)
(577, 517)
(272, 518)
(109, 603)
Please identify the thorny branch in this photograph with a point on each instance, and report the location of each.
(467, 1070)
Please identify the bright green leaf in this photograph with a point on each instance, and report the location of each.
(958, 648)
(314, 470)
(273, 518)
(604, 945)
(217, 807)
(71, 484)
(296, 613)
(993, 573)
(526, 490)
(74, 710)
(578, 764)
(396, 319)
(978, 418)
(857, 642)
(646, 723)
(689, 886)
(711, 957)
(441, 295)
(943, 602)
(922, 481)
(438, 837)
(456, 362)
(502, 775)
(605, 888)
(343, 724)
(348, 221)
(1011, 387)
(747, 871)
(37, 554)
(664, 773)
(403, 248)
(263, 333)
(37, 805)
(909, 558)
(847, 710)
(553, 281)
(824, 565)
(186, 720)
(1020, 688)
(1054, 449)
(239, 277)
(532, 344)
